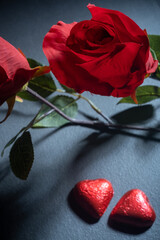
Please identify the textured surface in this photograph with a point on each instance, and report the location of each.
(38, 209)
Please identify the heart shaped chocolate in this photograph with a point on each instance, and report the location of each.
(134, 209)
(93, 196)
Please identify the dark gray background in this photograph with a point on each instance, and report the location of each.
(37, 209)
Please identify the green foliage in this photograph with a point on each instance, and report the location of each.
(33, 63)
(8, 144)
(144, 94)
(153, 54)
(43, 85)
(12, 140)
(157, 74)
(22, 156)
(136, 114)
(67, 89)
(154, 41)
(65, 104)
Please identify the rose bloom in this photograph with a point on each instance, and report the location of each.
(14, 70)
(107, 55)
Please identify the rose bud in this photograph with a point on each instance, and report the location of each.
(15, 72)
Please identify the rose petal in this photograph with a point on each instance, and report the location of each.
(125, 27)
(151, 64)
(114, 70)
(11, 59)
(10, 87)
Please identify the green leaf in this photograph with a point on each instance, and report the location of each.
(33, 63)
(135, 114)
(153, 54)
(157, 73)
(67, 89)
(12, 140)
(8, 144)
(144, 94)
(65, 104)
(154, 41)
(22, 156)
(43, 85)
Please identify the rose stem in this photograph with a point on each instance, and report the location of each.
(95, 108)
(90, 124)
(90, 103)
(36, 95)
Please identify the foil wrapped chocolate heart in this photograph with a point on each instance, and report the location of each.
(134, 209)
(93, 196)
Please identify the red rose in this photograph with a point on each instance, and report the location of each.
(107, 55)
(14, 70)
